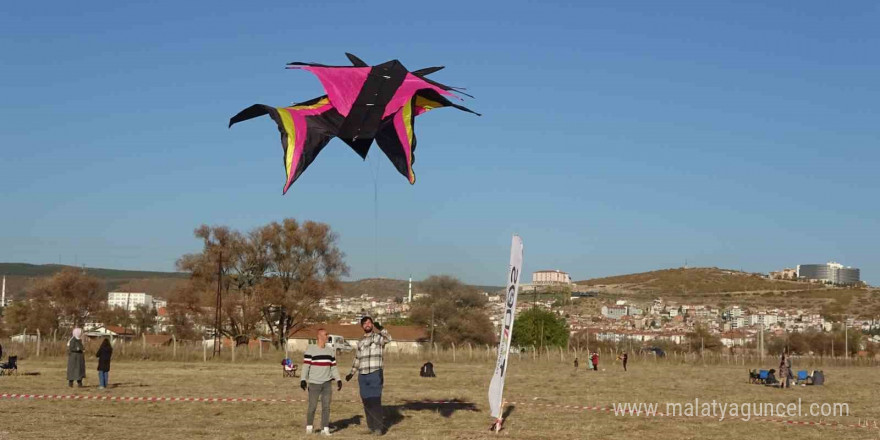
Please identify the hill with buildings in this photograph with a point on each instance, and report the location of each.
(693, 280)
(723, 287)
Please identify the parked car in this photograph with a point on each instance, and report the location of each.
(339, 343)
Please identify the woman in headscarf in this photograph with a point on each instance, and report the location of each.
(105, 352)
(76, 361)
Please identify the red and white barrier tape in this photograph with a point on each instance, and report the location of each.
(10, 396)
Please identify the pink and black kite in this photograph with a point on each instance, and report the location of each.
(362, 103)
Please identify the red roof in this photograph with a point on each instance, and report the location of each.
(402, 333)
(118, 330)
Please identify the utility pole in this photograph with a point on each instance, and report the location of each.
(845, 339)
(542, 334)
(218, 305)
(762, 341)
(432, 325)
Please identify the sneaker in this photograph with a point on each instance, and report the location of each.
(310, 429)
(100, 388)
(325, 431)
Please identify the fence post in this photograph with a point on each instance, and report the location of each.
(260, 341)
(143, 344)
(233, 350)
(453, 352)
(174, 347)
(204, 350)
(38, 342)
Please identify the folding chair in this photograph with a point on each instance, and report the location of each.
(753, 376)
(10, 367)
(763, 375)
(289, 368)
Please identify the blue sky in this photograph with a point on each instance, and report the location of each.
(617, 137)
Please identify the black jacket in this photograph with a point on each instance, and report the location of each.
(104, 355)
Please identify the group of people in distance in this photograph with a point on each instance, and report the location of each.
(593, 358)
(594, 361)
(319, 373)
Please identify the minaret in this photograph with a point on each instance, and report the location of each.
(410, 289)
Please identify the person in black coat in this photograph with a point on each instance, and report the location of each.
(105, 352)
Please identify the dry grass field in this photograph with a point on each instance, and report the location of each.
(534, 387)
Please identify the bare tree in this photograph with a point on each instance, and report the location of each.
(456, 312)
(305, 266)
(143, 318)
(73, 295)
(274, 275)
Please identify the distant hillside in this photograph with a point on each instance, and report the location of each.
(723, 288)
(42, 270)
(21, 276)
(695, 280)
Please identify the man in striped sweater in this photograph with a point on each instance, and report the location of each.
(318, 373)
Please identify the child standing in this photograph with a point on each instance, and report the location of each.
(105, 352)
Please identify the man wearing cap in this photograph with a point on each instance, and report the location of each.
(368, 363)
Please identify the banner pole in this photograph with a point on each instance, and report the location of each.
(496, 386)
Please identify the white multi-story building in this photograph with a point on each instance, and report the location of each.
(129, 300)
(738, 322)
(550, 277)
(766, 319)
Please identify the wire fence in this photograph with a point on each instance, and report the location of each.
(202, 351)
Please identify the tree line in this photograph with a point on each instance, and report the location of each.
(270, 281)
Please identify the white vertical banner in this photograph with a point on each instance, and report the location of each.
(496, 387)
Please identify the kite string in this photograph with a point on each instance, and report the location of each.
(375, 171)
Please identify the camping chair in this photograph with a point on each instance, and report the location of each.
(753, 376)
(289, 368)
(802, 377)
(762, 376)
(10, 367)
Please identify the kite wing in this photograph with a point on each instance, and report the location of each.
(397, 137)
(305, 129)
